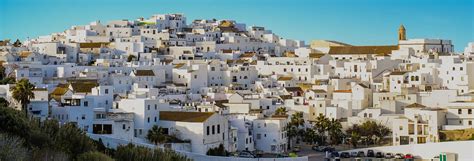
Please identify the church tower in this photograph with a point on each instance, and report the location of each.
(402, 33)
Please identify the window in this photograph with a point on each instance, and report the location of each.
(207, 130)
(401, 128)
(123, 126)
(459, 111)
(156, 106)
(100, 116)
(469, 122)
(106, 91)
(469, 111)
(148, 119)
(213, 130)
(218, 129)
(86, 103)
(259, 136)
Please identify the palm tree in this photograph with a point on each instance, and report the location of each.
(156, 135)
(23, 93)
(291, 132)
(310, 136)
(321, 126)
(297, 119)
(335, 131)
(295, 126)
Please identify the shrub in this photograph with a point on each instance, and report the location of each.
(94, 156)
(11, 148)
(131, 152)
(218, 151)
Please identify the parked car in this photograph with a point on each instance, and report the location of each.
(246, 154)
(408, 156)
(388, 156)
(379, 155)
(354, 154)
(345, 155)
(335, 154)
(296, 148)
(329, 149)
(399, 156)
(370, 153)
(318, 148)
(360, 154)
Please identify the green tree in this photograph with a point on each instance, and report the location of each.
(280, 111)
(73, 141)
(156, 135)
(354, 139)
(2, 72)
(370, 131)
(13, 122)
(4, 102)
(23, 93)
(381, 132)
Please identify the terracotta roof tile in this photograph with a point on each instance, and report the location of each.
(144, 73)
(362, 49)
(185, 116)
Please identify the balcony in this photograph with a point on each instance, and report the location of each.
(71, 102)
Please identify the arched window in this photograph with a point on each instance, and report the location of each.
(417, 78)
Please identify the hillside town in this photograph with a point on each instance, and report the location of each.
(208, 84)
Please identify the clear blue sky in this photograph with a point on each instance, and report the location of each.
(358, 22)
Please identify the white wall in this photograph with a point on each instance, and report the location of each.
(463, 149)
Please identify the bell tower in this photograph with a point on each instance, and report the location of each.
(402, 33)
